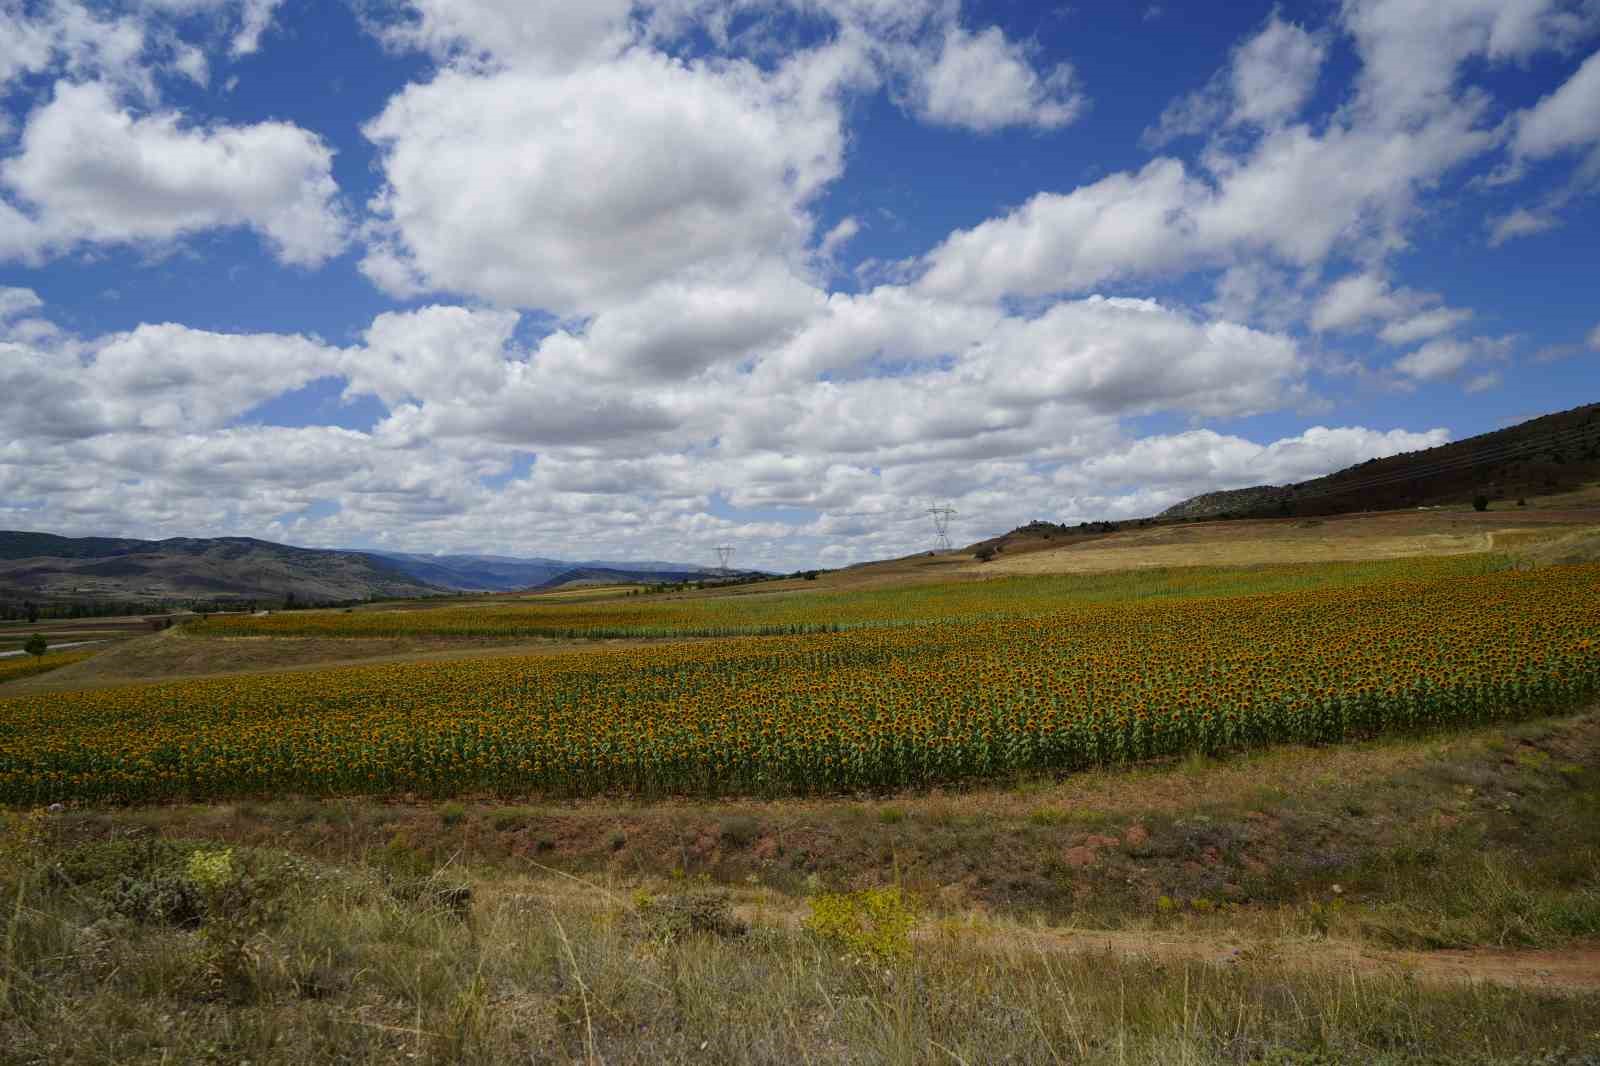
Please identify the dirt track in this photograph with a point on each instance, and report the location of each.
(1573, 968)
(1576, 967)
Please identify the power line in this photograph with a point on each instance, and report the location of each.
(724, 553)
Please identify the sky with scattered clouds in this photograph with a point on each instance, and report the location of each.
(631, 280)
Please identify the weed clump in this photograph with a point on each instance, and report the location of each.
(741, 830)
(872, 926)
(673, 917)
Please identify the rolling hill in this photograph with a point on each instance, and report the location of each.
(45, 567)
(1543, 456)
(48, 568)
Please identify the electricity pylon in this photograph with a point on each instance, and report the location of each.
(941, 524)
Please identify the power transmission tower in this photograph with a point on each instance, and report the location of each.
(724, 553)
(941, 525)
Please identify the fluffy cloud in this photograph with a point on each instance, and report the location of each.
(1355, 300)
(565, 159)
(1567, 118)
(148, 419)
(130, 48)
(1406, 316)
(91, 171)
(678, 329)
(432, 352)
(1267, 82)
(1440, 359)
(159, 378)
(32, 40)
(255, 18)
(1594, 338)
(1520, 223)
(1424, 324)
(1412, 50)
(1125, 225)
(172, 377)
(1294, 193)
(248, 19)
(1296, 197)
(984, 82)
(15, 302)
(1436, 359)
(1203, 459)
(1275, 72)
(578, 191)
(558, 37)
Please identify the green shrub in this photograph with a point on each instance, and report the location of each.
(510, 819)
(158, 899)
(741, 830)
(872, 926)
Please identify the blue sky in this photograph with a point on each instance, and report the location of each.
(632, 280)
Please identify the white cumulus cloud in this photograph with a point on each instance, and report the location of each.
(985, 82)
(90, 170)
(577, 191)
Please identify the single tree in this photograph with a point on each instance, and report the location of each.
(1480, 502)
(33, 611)
(36, 645)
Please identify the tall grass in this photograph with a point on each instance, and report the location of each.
(342, 967)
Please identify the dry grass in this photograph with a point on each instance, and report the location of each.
(581, 591)
(1587, 496)
(174, 655)
(284, 961)
(1258, 542)
(1249, 542)
(1579, 547)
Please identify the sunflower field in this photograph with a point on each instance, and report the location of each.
(1080, 685)
(751, 611)
(20, 666)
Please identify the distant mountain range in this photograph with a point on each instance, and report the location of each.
(50, 568)
(500, 573)
(1552, 454)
